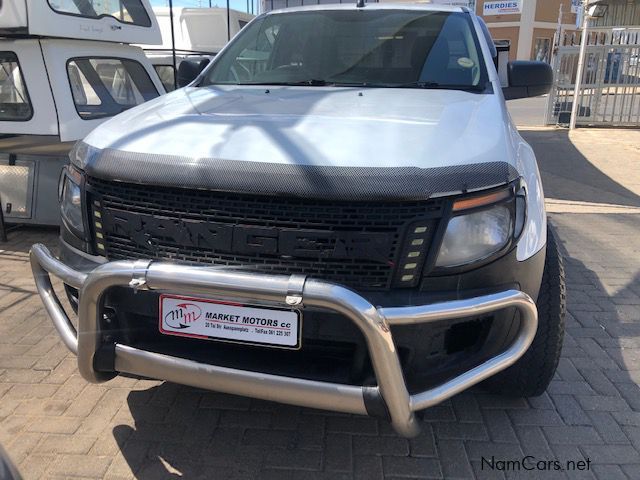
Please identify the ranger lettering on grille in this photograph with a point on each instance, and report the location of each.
(144, 230)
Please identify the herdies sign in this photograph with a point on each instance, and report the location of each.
(502, 7)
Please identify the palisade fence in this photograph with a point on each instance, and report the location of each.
(610, 89)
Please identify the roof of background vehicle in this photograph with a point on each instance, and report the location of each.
(371, 6)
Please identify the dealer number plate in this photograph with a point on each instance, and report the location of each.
(231, 322)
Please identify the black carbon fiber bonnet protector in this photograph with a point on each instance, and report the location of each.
(328, 182)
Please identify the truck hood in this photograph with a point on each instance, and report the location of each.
(287, 130)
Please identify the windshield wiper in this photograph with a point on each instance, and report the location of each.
(313, 82)
(310, 83)
(425, 85)
(443, 86)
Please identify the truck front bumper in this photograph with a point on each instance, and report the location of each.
(390, 398)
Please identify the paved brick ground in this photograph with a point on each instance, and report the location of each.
(55, 425)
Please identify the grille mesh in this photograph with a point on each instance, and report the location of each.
(390, 218)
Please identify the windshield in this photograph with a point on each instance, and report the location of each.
(385, 48)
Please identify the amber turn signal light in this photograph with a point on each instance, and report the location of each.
(481, 200)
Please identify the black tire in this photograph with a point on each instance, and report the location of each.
(530, 376)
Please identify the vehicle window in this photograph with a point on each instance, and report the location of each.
(125, 11)
(103, 87)
(165, 72)
(15, 105)
(542, 50)
(386, 48)
(242, 24)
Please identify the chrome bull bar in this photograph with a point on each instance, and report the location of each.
(390, 396)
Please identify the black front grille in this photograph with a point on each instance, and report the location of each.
(161, 207)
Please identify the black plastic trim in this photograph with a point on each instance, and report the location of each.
(104, 359)
(375, 404)
(303, 181)
(528, 79)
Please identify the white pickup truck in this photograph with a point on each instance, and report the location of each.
(336, 213)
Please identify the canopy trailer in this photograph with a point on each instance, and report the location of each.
(54, 91)
(129, 21)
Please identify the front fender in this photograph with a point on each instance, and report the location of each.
(534, 236)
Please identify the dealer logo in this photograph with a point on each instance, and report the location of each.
(183, 316)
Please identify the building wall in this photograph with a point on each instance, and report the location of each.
(507, 33)
(539, 19)
(547, 10)
(620, 13)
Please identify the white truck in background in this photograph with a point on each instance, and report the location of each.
(66, 66)
(198, 34)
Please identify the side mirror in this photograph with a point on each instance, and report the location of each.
(528, 79)
(188, 70)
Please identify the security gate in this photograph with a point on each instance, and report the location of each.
(610, 90)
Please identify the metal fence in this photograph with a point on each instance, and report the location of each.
(610, 90)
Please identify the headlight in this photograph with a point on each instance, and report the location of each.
(71, 200)
(476, 236)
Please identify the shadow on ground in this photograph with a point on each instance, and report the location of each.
(180, 432)
(568, 175)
